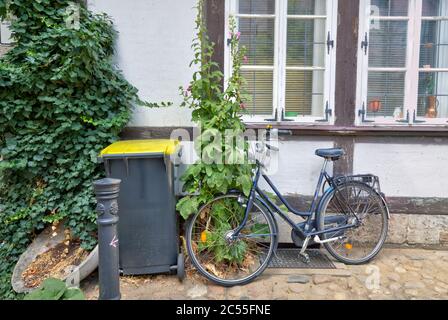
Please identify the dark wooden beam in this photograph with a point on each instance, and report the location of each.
(344, 166)
(311, 131)
(397, 205)
(215, 19)
(346, 62)
(425, 206)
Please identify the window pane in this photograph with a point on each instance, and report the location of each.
(306, 42)
(259, 85)
(433, 95)
(304, 93)
(386, 8)
(256, 6)
(307, 7)
(388, 44)
(434, 44)
(434, 36)
(257, 35)
(431, 8)
(385, 94)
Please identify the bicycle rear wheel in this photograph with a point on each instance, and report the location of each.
(354, 202)
(222, 258)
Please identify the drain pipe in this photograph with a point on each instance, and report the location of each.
(107, 191)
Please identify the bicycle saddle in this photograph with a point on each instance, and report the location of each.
(332, 154)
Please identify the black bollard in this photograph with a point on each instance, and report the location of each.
(107, 191)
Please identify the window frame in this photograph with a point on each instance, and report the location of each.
(279, 68)
(411, 70)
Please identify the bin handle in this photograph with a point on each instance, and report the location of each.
(107, 167)
(126, 164)
(166, 160)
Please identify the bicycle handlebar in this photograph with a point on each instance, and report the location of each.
(272, 147)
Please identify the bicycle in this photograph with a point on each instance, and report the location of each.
(232, 238)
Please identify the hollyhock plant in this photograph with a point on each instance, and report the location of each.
(216, 110)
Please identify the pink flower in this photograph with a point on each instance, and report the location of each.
(243, 106)
(237, 35)
(187, 91)
(245, 59)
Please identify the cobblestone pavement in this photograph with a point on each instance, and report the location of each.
(394, 274)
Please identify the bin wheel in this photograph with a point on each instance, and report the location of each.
(181, 267)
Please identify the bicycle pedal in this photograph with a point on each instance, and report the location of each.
(305, 258)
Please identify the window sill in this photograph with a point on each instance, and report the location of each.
(364, 130)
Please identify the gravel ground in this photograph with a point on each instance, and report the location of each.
(394, 274)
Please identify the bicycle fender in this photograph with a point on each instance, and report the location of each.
(322, 201)
(330, 190)
(383, 198)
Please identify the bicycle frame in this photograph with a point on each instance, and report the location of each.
(310, 216)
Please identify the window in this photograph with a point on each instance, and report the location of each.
(403, 62)
(290, 58)
(5, 33)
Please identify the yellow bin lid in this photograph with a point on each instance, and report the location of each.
(161, 146)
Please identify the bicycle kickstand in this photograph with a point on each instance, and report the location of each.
(303, 255)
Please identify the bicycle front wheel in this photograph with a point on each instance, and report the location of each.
(218, 253)
(358, 204)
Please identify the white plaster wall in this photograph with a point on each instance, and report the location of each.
(405, 170)
(154, 52)
(297, 174)
(298, 167)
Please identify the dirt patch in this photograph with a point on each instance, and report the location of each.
(57, 262)
(4, 49)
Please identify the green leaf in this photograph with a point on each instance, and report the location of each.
(246, 183)
(51, 289)
(187, 206)
(209, 170)
(73, 294)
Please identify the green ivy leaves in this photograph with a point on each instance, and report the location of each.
(61, 101)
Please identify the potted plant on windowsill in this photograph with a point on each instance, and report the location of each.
(375, 105)
(431, 99)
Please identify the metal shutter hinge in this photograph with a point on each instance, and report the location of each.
(363, 113)
(330, 43)
(365, 43)
(328, 113)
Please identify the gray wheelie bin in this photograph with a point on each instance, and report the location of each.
(148, 226)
